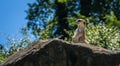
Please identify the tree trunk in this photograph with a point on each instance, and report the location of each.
(61, 14)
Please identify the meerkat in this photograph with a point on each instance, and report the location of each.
(79, 34)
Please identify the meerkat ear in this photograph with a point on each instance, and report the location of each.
(84, 21)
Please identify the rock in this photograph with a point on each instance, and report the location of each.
(57, 52)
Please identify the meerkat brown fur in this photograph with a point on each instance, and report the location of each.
(79, 34)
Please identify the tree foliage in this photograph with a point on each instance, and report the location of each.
(104, 36)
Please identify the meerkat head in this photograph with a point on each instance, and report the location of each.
(80, 22)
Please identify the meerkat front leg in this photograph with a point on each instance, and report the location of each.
(76, 39)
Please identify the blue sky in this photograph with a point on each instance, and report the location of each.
(12, 17)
